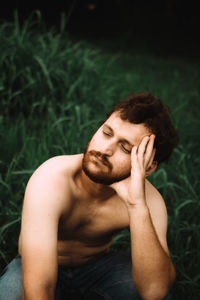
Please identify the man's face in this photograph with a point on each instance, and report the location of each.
(107, 157)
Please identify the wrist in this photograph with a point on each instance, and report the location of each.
(136, 201)
(138, 209)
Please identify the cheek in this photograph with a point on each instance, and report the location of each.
(95, 142)
(122, 163)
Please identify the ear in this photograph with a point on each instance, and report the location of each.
(152, 168)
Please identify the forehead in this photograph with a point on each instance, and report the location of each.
(126, 130)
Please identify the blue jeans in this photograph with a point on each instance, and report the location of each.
(107, 278)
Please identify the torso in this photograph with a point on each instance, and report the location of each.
(87, 232)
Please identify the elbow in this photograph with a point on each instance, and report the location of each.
(157, 287)
(152, 294)
(158, 290)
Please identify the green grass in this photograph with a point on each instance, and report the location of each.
(55, 91)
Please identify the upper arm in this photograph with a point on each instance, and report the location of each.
(41, 212)
(158, 213)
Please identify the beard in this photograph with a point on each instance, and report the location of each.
(98, 168)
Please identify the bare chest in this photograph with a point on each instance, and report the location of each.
(93, 223)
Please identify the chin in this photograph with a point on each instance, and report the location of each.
(103, 178)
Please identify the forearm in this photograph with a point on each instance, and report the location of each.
(153, 272)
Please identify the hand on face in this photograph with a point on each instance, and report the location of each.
(142, 156)
(132, 189)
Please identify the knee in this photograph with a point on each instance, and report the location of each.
(11, 282)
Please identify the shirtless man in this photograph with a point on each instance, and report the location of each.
(74, 205)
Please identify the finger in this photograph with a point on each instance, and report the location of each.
(149, 149)
(134, 159)
(142, 148)
(151, 159)
(134, 153)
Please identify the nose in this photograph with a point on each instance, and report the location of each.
(108, 148)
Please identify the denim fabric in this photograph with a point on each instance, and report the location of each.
(108, 278)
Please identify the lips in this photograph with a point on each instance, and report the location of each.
(101, 161)
(98, 159)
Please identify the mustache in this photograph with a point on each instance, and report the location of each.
(102, 157)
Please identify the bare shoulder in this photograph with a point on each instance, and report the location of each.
(48, 196)
(158, 213)
(57, 168)
(59, 164)
(51, 180)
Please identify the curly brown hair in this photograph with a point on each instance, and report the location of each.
(144, 108)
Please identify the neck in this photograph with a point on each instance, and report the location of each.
(93, 189)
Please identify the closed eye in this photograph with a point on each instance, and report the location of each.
(107, 133)
(125, 149)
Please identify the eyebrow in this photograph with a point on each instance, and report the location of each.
(121, 140)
